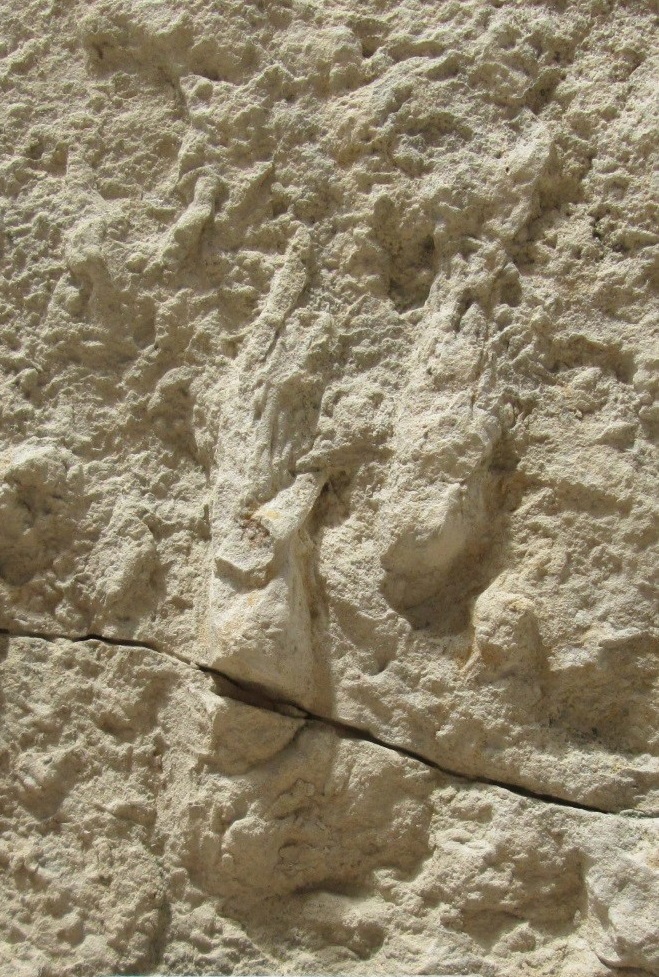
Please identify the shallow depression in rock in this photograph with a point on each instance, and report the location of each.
(327, 488)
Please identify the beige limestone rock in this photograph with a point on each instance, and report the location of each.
(152, 824)
(328, 467)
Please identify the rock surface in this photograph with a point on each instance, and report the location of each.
(328, 466)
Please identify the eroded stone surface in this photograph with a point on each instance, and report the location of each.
(152, 825)
(327, 362)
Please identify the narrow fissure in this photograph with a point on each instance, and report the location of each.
(254, 696)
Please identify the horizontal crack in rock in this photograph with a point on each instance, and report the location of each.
(256, 697)
(103, 639)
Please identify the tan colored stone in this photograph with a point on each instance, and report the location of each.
(328, 469)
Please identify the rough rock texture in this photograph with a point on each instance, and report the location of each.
(328, 467)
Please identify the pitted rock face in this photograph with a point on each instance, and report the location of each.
(328, 487)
